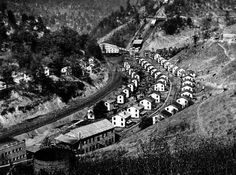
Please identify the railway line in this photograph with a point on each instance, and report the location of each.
(42, 120)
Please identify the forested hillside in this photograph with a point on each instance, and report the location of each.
(81, 15)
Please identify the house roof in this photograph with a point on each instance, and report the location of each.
(155, 92)
(148, 99)
(124, 114)
(187, 81)
(187, 85)
(160, 82)
(138, 106)
(187, 75)
(186, 91)
(111, 100)
(183, 97)
(122, 93)
(165, 113)
(179, 106)
(91, 129)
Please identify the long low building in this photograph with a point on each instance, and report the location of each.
(12, 150)
(89, 137)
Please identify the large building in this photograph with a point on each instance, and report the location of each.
(12, 150)
(89, 137)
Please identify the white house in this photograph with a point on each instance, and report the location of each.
(137, 77)
(164, 77)
(146, 65)
(131, 86)
(187, 77)
(160, 59)
(186, 93)
(160, 116)
(21, 76)
(125, 64)
(172, 109)
(46, 71)
(191, 73)
(183, 102)
(153, 71)
(109, 48)
(187, 87)
(149, 68)
(90, 114)
(135, 81)
(130, 71)
(127, 67)
(135, 110)
(187, 83)
(110, 104)
(121, 98)
(163, 81)
(180, 72)
(141, 60)
(148, 103)
(156, 96)
(156, 56)
(174, 70)
(166, 64)
(121, 119)
(163, 62)
(66, 70)
(170, 67)
(159, 86)
(156, 75)
(133, 74)
(2, 85)
(127, 92)
(144, 62)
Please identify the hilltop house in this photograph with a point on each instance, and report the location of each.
(133, 74)
(89, 137)
(110, 104)
(156, 56)
(120, 99)
(130, 71)
(162, 80)
(160, 59)
(163, 62)
(21, 76)
(90, 114)
(148, 103)
(186, 93)
(149, 68)
(2, 85)
(173, 70)
(172, 109)
(191, 73)
(146, 65)
(157, 74)
(160, 116)
(180, 72)
(156, 96)
(187, 87)
(170, 67)
(163, 77)
(135, 110)
(187, 83)
(121, 119)
(135, 81)
(131, 86)
(127, 92)
(183, 101)
(66, 71)
(153, 71)
(46, 71)
(187, 77)
(159, 86)
(166, 64)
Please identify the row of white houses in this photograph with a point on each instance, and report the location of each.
(187, 89)
(139, 109)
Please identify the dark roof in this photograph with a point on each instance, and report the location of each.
(165, 113)
(179, 106)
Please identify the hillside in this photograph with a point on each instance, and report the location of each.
(81, 15)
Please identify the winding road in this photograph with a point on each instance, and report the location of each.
(113, 82)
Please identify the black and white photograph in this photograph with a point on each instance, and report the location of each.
(117, 87)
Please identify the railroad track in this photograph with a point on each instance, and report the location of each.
(42, 120)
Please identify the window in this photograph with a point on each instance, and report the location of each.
(98, 139)
(114, 123)
(136, 115)
(129, 110)
(122, 119)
